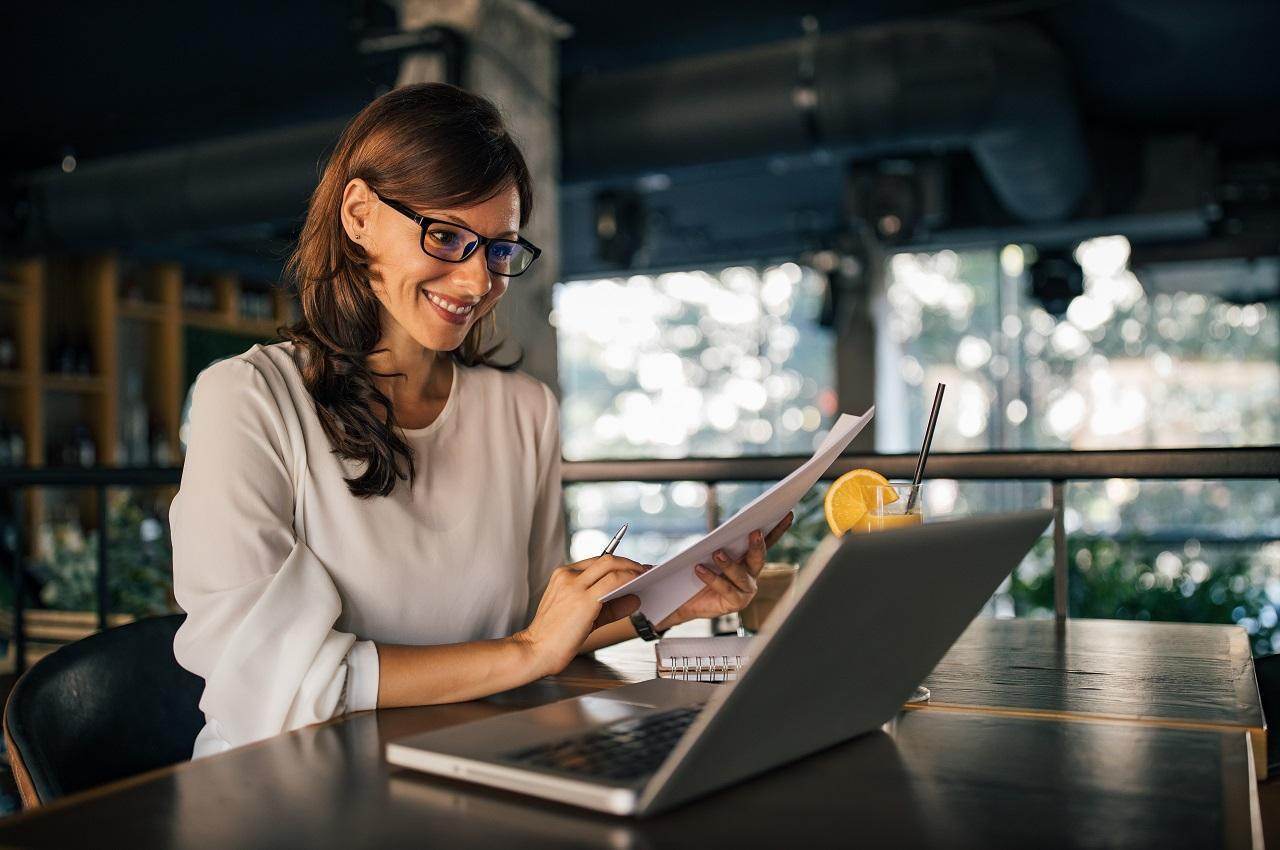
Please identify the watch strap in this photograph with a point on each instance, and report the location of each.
(644, 628)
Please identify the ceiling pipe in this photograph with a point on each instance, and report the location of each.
(887, 90)
(1001, 92)
(204, 187)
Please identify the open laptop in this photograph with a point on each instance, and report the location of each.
(871, 616)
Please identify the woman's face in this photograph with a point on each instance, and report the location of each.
(404, 277)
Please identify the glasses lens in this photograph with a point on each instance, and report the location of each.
(447, 241)
(508, 258)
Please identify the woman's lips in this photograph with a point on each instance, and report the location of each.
(451, 318)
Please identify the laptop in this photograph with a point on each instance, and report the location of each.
(871, 617)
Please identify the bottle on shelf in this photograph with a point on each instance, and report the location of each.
(255, 304)
(197, 295)
(63, 360)
(161, 450)
(17, 447)
(85, 452)
(136, 426)
(8, 352)
(83, 358)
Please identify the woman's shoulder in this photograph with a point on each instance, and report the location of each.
(518, 389)
(263, 372)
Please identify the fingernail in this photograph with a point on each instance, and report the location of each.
(701, 570)
(756, 536)
(719, 555)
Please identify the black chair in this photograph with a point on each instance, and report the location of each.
(110, 706)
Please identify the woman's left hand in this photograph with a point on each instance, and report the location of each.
(735, 586)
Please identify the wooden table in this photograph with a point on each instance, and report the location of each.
(943, 777)
(1175, 675)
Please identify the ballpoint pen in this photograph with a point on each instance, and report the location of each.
(617, 538)
(639, 621)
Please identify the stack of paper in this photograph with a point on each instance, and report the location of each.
(670, 584)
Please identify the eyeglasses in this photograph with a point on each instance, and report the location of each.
(453, 243)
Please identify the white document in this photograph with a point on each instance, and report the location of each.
(670, 584)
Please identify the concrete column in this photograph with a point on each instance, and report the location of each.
(512, 57)
(861, 284)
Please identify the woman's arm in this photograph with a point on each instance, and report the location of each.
(261, 608)
(618, 631)
(428, 675)
(729, 590)
(568, 611)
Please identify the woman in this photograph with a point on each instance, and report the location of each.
(370, 511)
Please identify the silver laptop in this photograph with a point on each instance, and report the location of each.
(871, 616)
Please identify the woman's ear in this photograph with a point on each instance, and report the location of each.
(356, 209)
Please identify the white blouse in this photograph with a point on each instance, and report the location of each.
(288, 579)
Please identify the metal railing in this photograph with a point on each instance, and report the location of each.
(1055, 467)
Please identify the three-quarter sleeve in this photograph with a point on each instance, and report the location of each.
(260, 605)
(547, 543)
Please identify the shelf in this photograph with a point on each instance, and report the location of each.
(12, 378)
(231, 324)
(49, 625)
(147, 311)
(73, 383)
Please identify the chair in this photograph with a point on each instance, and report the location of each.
(103, 708)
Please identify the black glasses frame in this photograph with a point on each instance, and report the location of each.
(425, 221)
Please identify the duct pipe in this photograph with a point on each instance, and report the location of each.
(263, 177)
(885, 90)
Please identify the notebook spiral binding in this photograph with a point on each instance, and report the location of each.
(690, 666)
(712, 662)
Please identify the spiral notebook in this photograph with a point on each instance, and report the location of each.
(716, 656)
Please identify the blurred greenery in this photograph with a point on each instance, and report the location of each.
(139, 557)
(1136, 579)
(806, 531)
(1124, 578)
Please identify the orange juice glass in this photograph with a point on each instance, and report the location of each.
(887, 509)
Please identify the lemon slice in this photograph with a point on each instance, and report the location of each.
(849, 496)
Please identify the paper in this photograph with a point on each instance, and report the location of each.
(670, 584)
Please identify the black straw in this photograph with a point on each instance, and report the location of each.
(924, 449)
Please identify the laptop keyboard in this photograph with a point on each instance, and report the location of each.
(624, 750)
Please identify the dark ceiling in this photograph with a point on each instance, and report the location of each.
(96, 79)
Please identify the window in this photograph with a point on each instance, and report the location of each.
(1136, 361)
(719, 363)
(695, 364)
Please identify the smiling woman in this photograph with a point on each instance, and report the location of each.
(315, 582)
(359, 261)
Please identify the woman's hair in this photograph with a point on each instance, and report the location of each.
(431, 145)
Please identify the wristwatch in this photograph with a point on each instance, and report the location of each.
(644, 628)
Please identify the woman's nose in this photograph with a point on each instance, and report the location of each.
(472, 275)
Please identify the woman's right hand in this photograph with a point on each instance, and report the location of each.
(569, 610)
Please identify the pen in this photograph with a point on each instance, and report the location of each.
(617, 538)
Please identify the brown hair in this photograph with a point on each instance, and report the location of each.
(432, 145)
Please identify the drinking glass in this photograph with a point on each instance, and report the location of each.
(887, 508)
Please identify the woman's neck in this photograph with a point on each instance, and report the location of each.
(426, 373)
